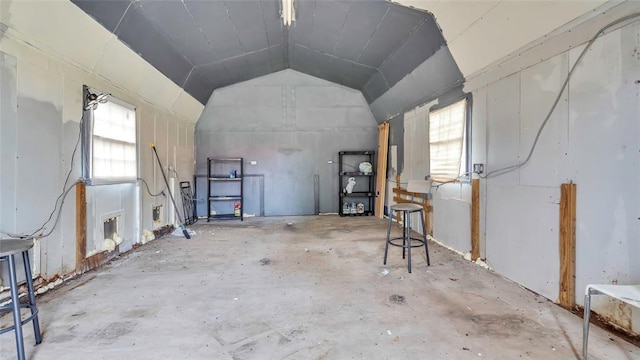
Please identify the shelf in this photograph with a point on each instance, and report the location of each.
(356, 173)
(223, 217)
(225, 183)
(356, 152)
(223, 197)
(222, 178)
(357, 194)
(366, 213)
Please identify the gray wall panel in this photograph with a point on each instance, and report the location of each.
(291, 132)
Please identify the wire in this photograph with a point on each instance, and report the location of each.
(161, 193)
(510, 168)
(60, 198)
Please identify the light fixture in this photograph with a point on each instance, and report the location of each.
(94, 99)
(288, 12)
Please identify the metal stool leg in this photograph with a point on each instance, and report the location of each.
(15, 303)
(386, 247)
(424, 237)
(404, 234)
(585, 330)
(408, 220)
(32, 298)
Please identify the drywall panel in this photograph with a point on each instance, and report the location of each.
(50, 24)
(605, 161)
(567, 36)
(434, 77)
(471, 29)
(503, 129)
(449, 202)
(540, 85)
(522, 236)
(295, 126)
(8, 142)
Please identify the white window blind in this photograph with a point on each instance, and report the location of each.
(446, 139)
(114, 142)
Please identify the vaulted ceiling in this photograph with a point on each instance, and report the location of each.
(204, 45)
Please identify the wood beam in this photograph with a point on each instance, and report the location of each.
(475, 219)
(381, 171)
(81, 227)
(566, 297)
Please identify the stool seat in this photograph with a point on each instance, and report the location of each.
(406, 207)
(9, 248)
(14, 246)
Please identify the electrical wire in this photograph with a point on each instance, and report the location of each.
(161, 193)
(510, 168)
(59, 199)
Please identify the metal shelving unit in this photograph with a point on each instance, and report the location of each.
(363, 193)
(224, 193)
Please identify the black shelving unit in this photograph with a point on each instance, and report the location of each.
(224, 193)
(362, 199)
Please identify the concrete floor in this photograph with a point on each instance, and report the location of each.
(263, 289)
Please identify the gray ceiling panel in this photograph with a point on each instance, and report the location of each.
(202, 45)
(106, 12)
(420, 46)
(213, 19)
(154, 46)
(248, 22)
(303, 25)
(338, 70)
(177, 23)
(375, 87)
(362, 20)
(271, 16)
(359, 75)
(238, 68)
(395, 27)
(328, 24)
(198, 87)
(215, 73)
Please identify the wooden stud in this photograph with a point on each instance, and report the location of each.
(566, 297)
(381, 171)
(81, 227)
(475, 219)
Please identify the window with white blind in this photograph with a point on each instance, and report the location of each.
(448, 142)
(112, 141)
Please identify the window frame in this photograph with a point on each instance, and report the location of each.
(88, 122)
(464, 173)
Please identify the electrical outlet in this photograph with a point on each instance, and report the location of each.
(253, 162)
(478, 168)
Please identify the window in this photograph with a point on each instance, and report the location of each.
(110, 139)
(448, 142)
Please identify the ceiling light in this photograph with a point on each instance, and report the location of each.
(288, 12)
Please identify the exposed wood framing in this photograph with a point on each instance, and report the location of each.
(475, 219)
(381, 171)
(566, 297)
(81, 227)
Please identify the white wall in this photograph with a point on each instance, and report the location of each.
(591, 140)
(41, 111)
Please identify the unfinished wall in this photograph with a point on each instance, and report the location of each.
(591, 140)
(292, 124)
(41, 112)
